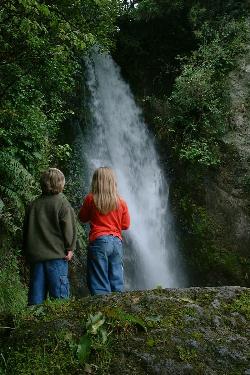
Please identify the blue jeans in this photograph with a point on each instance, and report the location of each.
(104, 266)
(51, 277)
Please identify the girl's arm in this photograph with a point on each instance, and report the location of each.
(85, 210)
(125, 217)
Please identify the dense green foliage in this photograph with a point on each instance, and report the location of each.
(13, 296)
(199, 105)
(42, 45)
(181, 53)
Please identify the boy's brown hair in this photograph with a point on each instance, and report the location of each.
(52, 181)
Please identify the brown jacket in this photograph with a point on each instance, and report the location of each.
(49, 228)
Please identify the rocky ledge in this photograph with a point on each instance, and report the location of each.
(161, 331)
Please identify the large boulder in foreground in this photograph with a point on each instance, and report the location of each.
(162, 331)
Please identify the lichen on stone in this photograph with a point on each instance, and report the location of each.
(171, 331)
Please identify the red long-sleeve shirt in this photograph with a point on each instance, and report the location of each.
(100, 225)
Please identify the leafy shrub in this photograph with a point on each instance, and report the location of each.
(13, 294)
(40, 63)
(199, 106)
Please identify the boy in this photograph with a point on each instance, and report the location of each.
(49, 237)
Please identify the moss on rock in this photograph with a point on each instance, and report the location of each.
(163, 331)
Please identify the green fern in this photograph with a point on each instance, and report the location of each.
(15, 175)
(17, 188)
(12, 197)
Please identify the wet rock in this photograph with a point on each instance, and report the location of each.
(237, 356)
(193, 344)
(216, 303)
(171, 331)
(217, 321)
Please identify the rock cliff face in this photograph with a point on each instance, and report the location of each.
(212, 206)
(227, 194)
(163, 331)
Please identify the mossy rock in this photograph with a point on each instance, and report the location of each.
(163, 331)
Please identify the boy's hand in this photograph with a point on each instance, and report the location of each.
(69, 256)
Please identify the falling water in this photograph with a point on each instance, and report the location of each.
(119, 138)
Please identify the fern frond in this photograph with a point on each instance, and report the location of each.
(15, 175)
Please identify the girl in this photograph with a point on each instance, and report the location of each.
(107, 214)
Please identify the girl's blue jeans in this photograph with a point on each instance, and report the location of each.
(105, 265)
(48, 277)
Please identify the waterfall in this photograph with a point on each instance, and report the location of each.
(118, 137)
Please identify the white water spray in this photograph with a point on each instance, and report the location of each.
(119, 138)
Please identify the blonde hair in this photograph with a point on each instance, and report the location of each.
(52, 181)
(104, 190)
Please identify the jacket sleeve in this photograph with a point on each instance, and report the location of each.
(68, 226)
(85, 210)
(125, 217)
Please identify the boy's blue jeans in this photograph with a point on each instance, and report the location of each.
(105, 266)
(51, 277)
